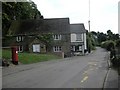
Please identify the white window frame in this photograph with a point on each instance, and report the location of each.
(34, 47)
(57, 37)
(80, 48)
(19, 38)
(73, 48)
(57, 48)
(20, 48)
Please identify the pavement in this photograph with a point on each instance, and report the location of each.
(112, 80)
(66, 73)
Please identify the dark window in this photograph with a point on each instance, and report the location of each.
(19, 38)
(57, 48)
(57, 37)
(20, 48)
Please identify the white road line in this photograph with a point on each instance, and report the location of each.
(84, 79)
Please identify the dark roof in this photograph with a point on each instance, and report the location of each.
(57, 25)
(25, 27)
(77, 28)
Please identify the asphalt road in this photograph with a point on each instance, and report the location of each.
(76, 72)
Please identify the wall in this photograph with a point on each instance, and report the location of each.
(42, 46)
(85, 42)
(64, 43)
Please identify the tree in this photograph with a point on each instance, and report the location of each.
(101, 37)
(110, 35)
(91, 42)
(17, 11)
(118, 43)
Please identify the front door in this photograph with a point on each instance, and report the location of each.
(36, 48)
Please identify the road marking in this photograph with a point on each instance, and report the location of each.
(85, 72)
(84, 79)
(96, 67)
(89, 62)
(91, 68)
(95, 64)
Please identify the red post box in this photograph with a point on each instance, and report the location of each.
(14, 55)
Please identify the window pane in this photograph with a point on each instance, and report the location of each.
(78, 37)
(57, 37)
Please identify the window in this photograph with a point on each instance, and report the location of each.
(20, 48)
(36, 48)
(57, 48)
(72, 48)
(19, 38)
(78, 37)
(80, 48)
(57, 37)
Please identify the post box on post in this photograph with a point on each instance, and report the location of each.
(14, 55)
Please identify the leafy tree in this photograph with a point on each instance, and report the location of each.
(118, 43)
(94, 33)
(18, 11)
(108, 45)
(91, 43)
(101, 37)
(110, 35)
(115, 36)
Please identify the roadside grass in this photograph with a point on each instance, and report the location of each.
(28, 58)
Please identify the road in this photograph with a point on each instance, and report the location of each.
(76, 72)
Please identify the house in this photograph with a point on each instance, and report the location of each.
(25, 35)
(78, 39)
(64, 37)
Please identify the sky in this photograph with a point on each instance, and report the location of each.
(103, 13)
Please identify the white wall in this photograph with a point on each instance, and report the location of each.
(73, 37)
(85, 42)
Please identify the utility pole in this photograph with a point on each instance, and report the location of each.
(89, 48)
(89, 17)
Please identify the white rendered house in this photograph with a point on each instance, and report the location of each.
(78, 39)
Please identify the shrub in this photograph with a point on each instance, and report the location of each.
(108, 45)
(118, 43)
(115, 62)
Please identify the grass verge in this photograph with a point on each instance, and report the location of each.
(27, 58)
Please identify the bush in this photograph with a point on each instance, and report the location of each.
(115, 62)
(118, 43)
(103, 44)
(108, 45)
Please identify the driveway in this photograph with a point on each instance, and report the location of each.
(76, 72)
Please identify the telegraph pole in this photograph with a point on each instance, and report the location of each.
(89, 17)
(89, 48)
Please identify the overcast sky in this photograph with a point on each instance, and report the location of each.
(103, 13)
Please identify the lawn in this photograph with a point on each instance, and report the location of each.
(27, 58)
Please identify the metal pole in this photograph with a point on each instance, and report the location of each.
(89, 49)
(89, 16)
(89, 25)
